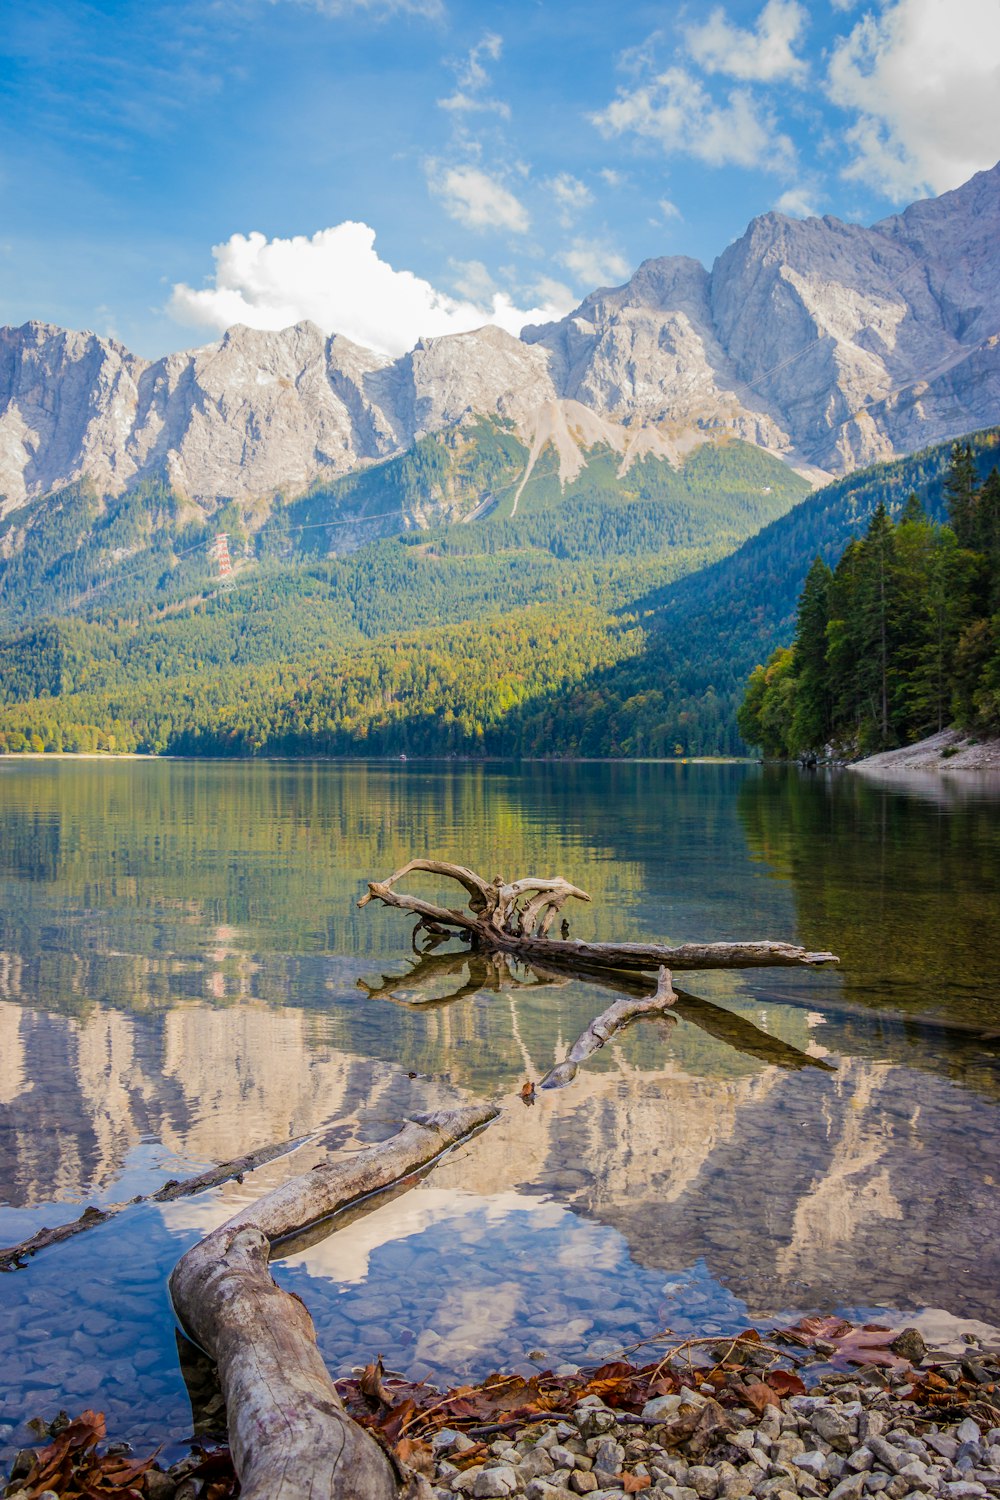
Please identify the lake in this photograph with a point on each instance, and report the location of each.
(185, 975)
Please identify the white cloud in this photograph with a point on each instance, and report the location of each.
(571, 195)
(477, 200)
(674, 110)
(924, 77)
(472, 78)
(670, 210)
(763, 55)
(594, 264)
(612, 178)
(472, 279)
(797, 203)
(338, 281)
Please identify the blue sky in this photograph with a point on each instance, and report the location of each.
(393, 168)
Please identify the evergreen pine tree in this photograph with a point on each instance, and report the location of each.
(812, 722)
(960, 488)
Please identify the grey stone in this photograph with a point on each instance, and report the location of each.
(813, 1463)
(536, 1464)
(835, 1428)
(593, 1421)
(849, 1488)
(610, 1457)
(582, 1482)
(492, 1484)
(889, 1457)
(968, 1431)
(704, 1480)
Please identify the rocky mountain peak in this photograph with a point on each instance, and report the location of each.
(828, 342)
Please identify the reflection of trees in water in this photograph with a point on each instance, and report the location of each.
(905, 891)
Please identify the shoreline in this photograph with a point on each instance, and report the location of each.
(837, 1411)
(948, 750)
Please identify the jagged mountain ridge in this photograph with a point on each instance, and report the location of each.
(831, 344)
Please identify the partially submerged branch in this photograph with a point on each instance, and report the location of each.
(496, 919)
(603, 1028)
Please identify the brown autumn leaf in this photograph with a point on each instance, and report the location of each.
(785, 1382)
(372, 1384)
(808, 1330)
(760, 1396)
(392, 1423)
(633, 1483)
(416, 1455)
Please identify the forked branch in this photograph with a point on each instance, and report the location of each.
(514, 917)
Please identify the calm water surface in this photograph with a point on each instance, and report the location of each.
(184, 975)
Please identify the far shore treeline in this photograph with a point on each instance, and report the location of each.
(900, 639)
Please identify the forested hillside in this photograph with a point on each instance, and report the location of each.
(586, 624)
(899, 640)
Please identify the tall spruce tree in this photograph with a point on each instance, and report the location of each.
(813, 717)
(961, 488)
(876, 601)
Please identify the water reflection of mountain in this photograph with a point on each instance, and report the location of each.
(798, 1187)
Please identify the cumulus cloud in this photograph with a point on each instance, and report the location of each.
(797, 203)
(675, 110)
(764, 55)
(472, 79)
(337, 280)
(593, 263)
(571, 196)
(924, 78)
(477, 200)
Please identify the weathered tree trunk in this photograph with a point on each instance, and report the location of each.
(603, 1028)
(497, 921)
(291, 1438)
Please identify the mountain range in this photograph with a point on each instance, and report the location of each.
(828, 344)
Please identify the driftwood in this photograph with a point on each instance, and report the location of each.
(14, 1257)
(290, 1436)
(604, 1027)
(514, 917)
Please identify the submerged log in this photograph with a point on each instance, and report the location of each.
(496, 919)
(15, 1257)
(290, 1436)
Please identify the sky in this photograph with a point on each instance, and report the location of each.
(398, 169)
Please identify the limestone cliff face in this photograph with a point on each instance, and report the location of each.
(830, 343)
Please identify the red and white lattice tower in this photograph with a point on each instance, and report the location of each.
(219, 553)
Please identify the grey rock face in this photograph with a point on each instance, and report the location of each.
(833, 344)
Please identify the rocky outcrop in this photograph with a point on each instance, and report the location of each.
(832, 344)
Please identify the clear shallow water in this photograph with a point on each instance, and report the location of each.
(180, 957)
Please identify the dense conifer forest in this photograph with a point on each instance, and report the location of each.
(900, 639)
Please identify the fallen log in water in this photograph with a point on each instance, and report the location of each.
(14, 1257)
(514, 917)
(290, 1436)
